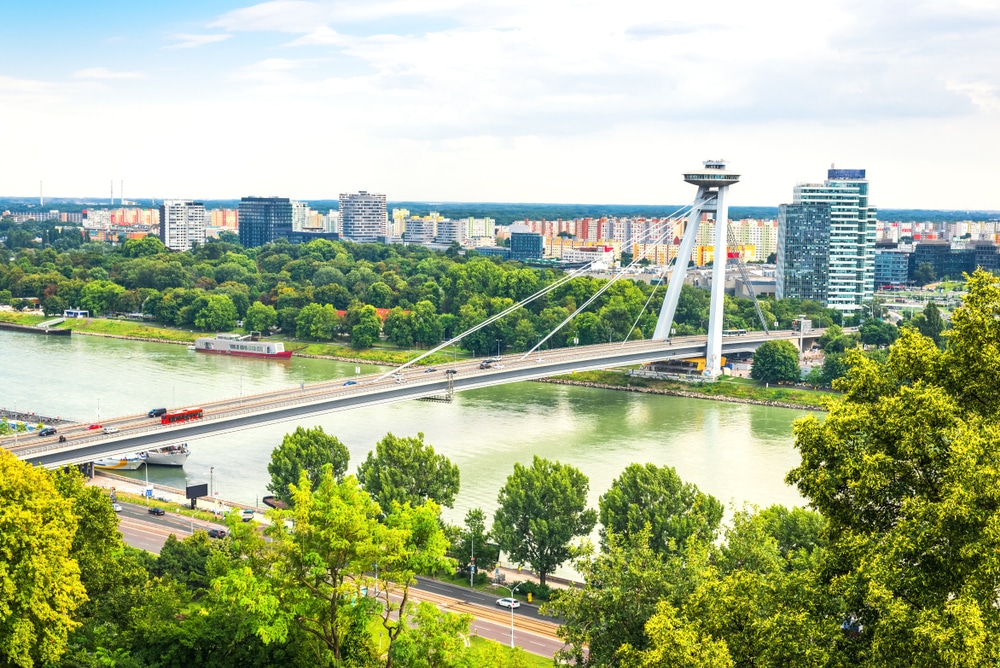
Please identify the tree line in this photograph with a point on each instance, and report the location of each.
(330, 291)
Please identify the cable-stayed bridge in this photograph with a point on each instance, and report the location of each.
(140, 432)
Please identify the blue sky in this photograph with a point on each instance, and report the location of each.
(513, 100)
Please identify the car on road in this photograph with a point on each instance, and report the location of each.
(508, 603)
(216, 533)
(351, 382)
(48, 431)
(486, 365)
(156, 412)
(247, 515)
(497, 365)
(451, 372)
(95, 426)
(156, 511)
(117, 507)
(430, 370)
(111, 430)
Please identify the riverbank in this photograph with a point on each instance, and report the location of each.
(725, 389)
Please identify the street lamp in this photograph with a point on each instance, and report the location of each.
(511, 590)
(498, 348)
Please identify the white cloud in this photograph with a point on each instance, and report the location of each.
(982, 94)
(192, 41)
(105, 73)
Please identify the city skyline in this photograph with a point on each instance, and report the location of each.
(512, 102)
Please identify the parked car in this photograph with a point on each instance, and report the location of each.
(111, 430)
(216, 533)
(157, 412)
(47, 431)
(95, 426)
(156, 511)
(247, 515)
(508, 603)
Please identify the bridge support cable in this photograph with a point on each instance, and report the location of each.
(742, 267)
(661, 276)
(527, 300)
(597, 294)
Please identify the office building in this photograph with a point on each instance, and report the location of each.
(264, 219)
(892, 269)
(451, 231)
(363, 217)
(421, 229)
(836, 213)
(525, 245)
(182, 224)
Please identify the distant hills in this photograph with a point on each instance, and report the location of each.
(506, 212)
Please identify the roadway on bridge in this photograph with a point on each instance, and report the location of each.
(139, 432)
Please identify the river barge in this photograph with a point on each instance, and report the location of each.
(241, 346)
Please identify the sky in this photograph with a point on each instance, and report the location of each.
(500, 101)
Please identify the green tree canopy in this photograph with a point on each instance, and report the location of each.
(924, 274)
(305, 450)
(260, 318)
(656, 497)
(776, 361)
(407, 470)
(541, 509)
(40, 584)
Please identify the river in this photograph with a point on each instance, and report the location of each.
(739, 453)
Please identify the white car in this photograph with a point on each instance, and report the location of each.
(111, 430)
(508, 603)
(116, 507)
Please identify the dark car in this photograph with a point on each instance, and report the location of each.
(452, 372)
(156, 511)
(350, 382)
(48, 431)
(156, 412)
(216, 533)
(431, 370)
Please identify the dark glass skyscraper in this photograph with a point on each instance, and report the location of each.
(803, 251)
(264, 219)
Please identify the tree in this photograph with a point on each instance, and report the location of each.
(366, 332)
(474, 541)
(878, 333)
(407, 470)
(924, 274)
(260, 318)
(218, 314)
(622, 586)
(930, 323)
(541, 509)
(145, 247)
(655, 497)
(905, 471)
(776, 361)
(40, 585)
(436, 640)
(308, 451)
(100, 297)
(676, 643)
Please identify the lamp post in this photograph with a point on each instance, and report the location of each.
(498, 348)
(802, 329)
(472, 562)
(511, 590)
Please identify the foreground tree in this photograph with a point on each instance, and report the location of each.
(541, 509)
(906, 472)
(306, 450)
(407, 470)
(39, 580)
(655, 497)
(776, 361)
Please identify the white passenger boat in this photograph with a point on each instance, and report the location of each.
(129, 462)
(171, 455)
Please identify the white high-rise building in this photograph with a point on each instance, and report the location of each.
(182, 223)
(363, 217)
(450, 231)
(300, 216)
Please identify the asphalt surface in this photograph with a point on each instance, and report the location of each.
(466, 595)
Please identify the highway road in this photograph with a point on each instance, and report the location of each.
(139, 432)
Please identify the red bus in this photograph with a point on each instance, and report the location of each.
(182, 416)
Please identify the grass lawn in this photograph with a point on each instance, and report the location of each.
(740, 388)
(131, 328)
(22, 318)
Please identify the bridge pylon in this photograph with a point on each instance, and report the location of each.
(713, 183)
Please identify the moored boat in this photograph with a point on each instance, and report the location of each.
(129, 462)
(242, 346)
(171, 455)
